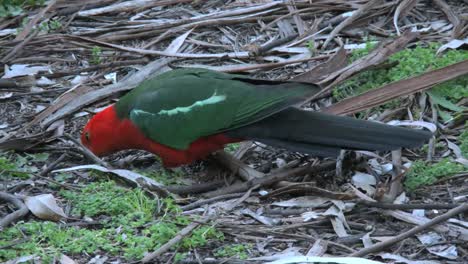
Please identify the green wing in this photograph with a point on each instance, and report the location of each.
(180, 106)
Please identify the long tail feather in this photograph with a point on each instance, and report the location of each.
(325, 135)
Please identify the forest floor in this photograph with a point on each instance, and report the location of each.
(66, 60)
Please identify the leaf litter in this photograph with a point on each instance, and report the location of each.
(95, 52)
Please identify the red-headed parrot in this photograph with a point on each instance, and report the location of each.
(185, 114)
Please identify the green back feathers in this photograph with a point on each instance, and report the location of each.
(180, 106)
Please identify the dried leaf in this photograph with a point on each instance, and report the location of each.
(23, 259)
(125, 174)
(453, 44)
(307, 216)
(16, 70)
(446, 250)
(339, 260)
(338, 220)
(287, 253)
(262, 219)
(432, 127)
(365, 181)
(401, 11)
(455, 148)
(318, 249)
(5, 95)
(338, 226)
(44, 206)
(177, 43)
(64, 259)
(305, 201)
(366, 240)
(400, 259)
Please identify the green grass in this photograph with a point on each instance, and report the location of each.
(13, 165)
(96, 53)
(231, 148)
(12, 8)
(422, 173)
(238, 251)
(130, 225)
(411, 62)
(464, 142)
(167, 177)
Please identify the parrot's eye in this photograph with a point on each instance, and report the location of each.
(87, 136)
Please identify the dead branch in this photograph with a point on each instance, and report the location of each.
(18, 214)
(87, 152)
(397, 89)
(377, 56)
(271, 179)
(196, 188)
(387, 243)
(188, 229)
(236, 166)
(356, 14)
(405, 206)
(211, 200)
(35, 20)
(451, 16)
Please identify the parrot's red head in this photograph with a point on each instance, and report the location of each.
(100, 133)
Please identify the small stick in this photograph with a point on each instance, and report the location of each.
(208, 201)
(87, 152)
(10, 218)
(387, 243)
(405, 206)
(195, 188)
(178, 237)
(271, 179)
(188, 229)
(245, 172)
(52, 165)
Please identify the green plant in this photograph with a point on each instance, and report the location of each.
(17, 166)
(131, 224)
(11, 8)
(464, 141)
(422, 173)
(96, 52)
(106, 198)
(409, 62)
(311, 46)
(49, 26)
(166, 177)
(231, 148)
(239, 251)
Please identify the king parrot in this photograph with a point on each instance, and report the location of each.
(185, 114)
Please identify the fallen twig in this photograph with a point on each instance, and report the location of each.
(439, 219)
(405, 206)
(10, 218)
(245, 172)
(208, 201)
(356, 14)
(87, 152)
(195, 188)
(452, 17)
(188, 229)
(271, 179)
(397, 89)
